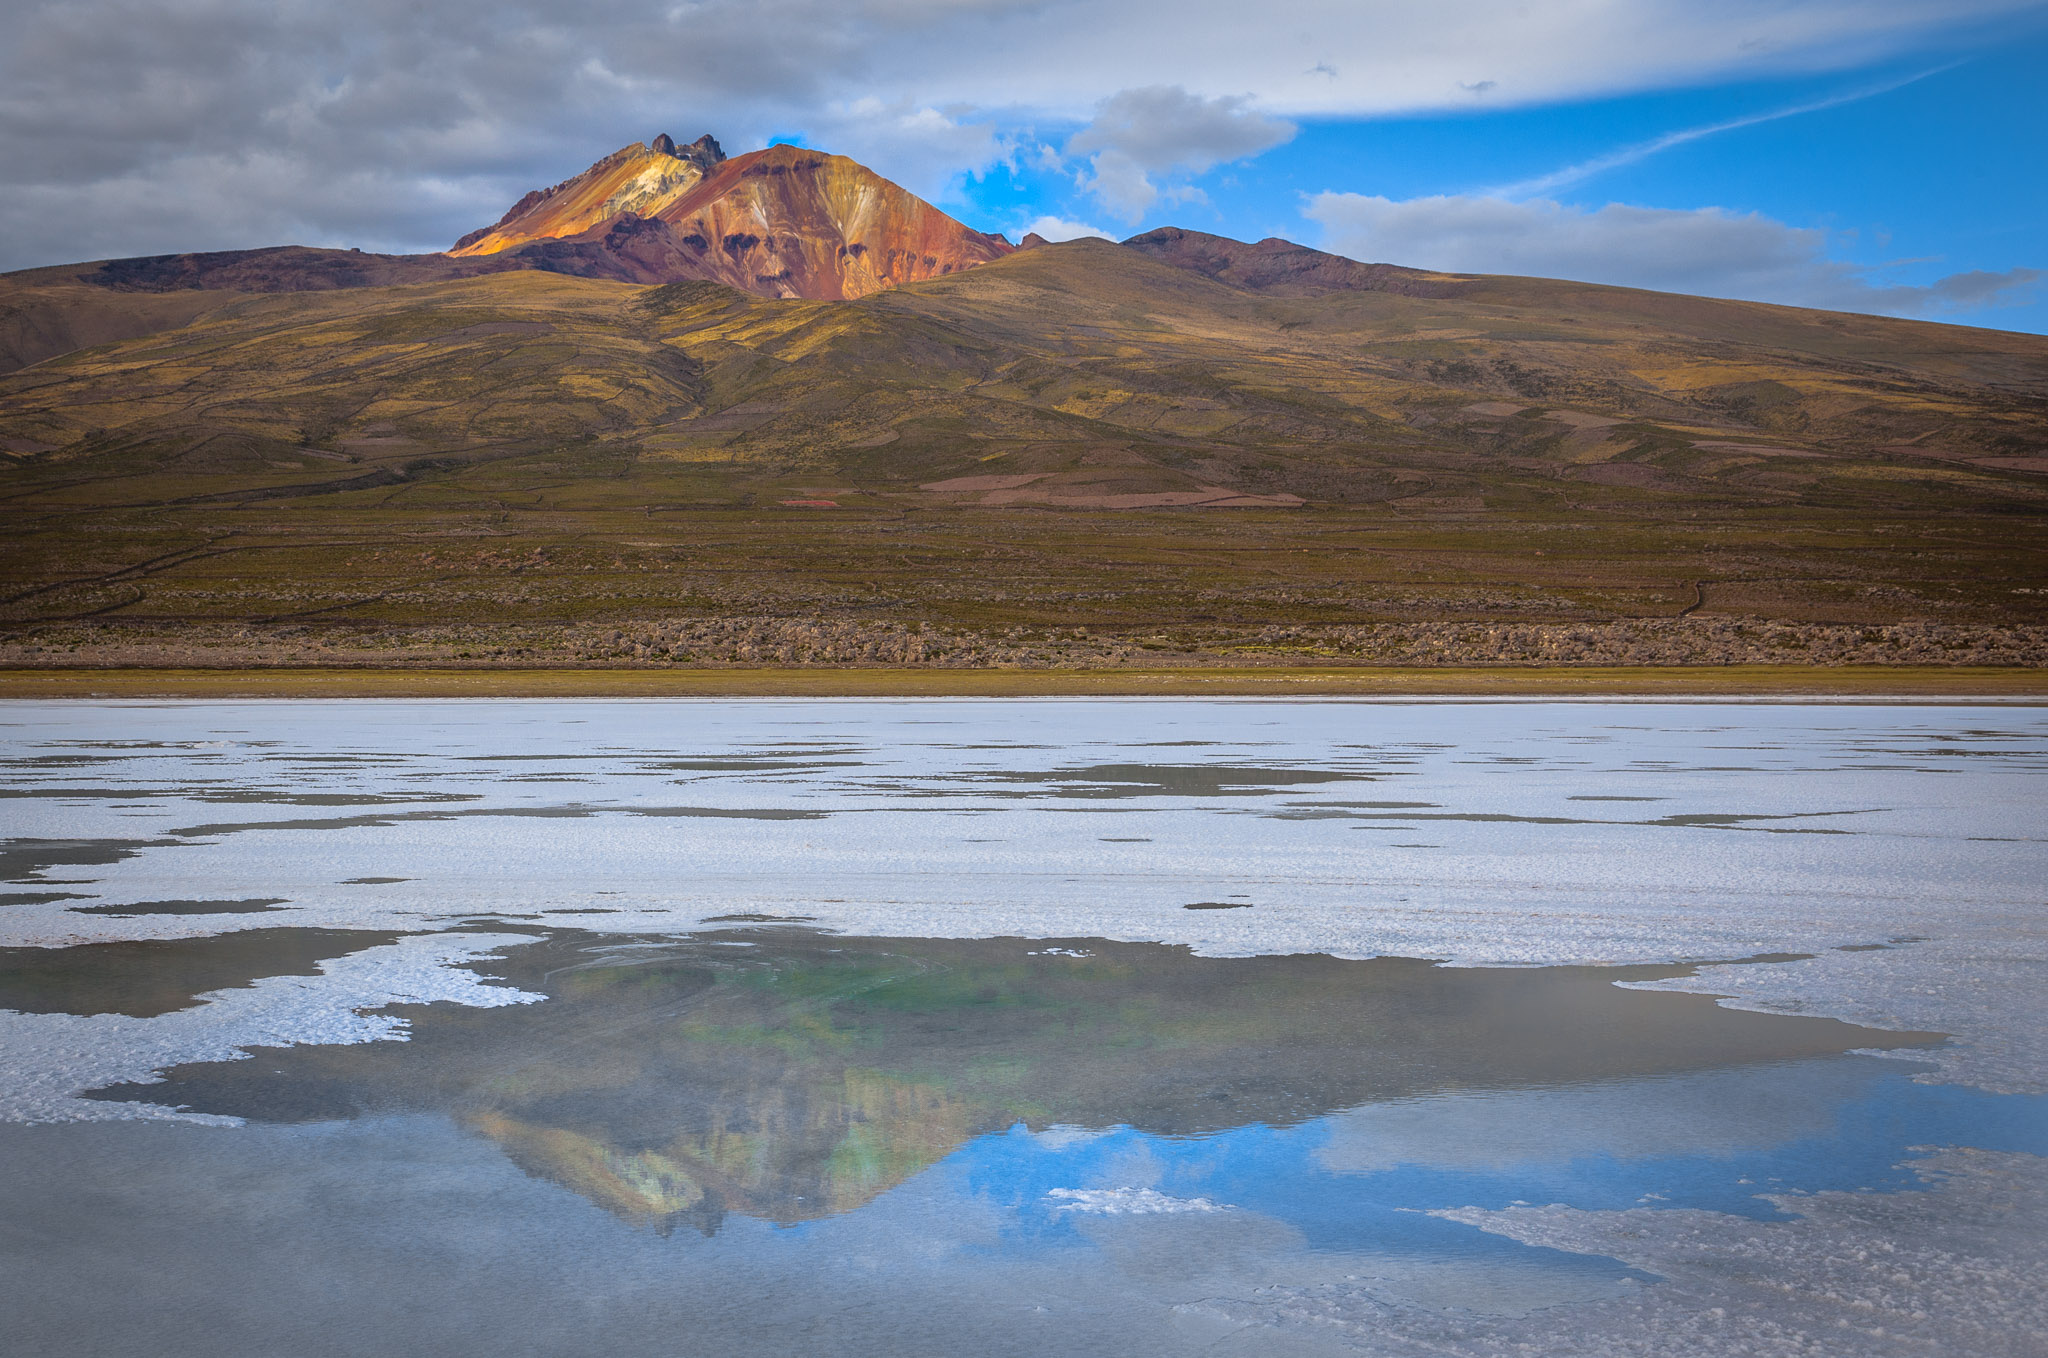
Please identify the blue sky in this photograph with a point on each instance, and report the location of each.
(1427, 134)
(1932, 164)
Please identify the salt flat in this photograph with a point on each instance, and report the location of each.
(395, 905)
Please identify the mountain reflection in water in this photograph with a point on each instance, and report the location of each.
(789, 1075)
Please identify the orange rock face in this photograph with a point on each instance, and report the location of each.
(784, 222)
(638, 179)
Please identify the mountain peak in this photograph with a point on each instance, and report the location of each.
(637, 179)
(784, 221)
(705, 152)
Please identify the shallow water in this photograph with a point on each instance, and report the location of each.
(1082, 1027)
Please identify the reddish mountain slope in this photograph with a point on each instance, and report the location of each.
(796, 223)
(1281, 268)
(784, 222)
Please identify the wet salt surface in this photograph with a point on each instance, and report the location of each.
(1163, 1114)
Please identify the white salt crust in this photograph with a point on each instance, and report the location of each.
(53, 1058)
(1481, 835)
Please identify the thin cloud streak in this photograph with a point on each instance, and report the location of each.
(1708, 252)
(1630, 155)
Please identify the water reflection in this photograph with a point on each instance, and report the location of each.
(789, 1076)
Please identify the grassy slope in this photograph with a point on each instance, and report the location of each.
(540, 450)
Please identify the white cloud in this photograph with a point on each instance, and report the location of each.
(1061, 228)
(1120, 184)
(133, 126)
(1358, 57)
(1163, 128)
(922, 148)
(1136, 134)
(1706, 251)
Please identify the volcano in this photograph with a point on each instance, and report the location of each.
(781, 222)
(772, 406)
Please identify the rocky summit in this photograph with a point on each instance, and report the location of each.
(781, 222)
(637, 180)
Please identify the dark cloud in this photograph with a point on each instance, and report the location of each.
(134, 126)
(1979, 288)
(130, 127)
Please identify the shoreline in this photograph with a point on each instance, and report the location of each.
(1762, 682)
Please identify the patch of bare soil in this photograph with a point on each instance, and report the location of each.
(960, 485)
